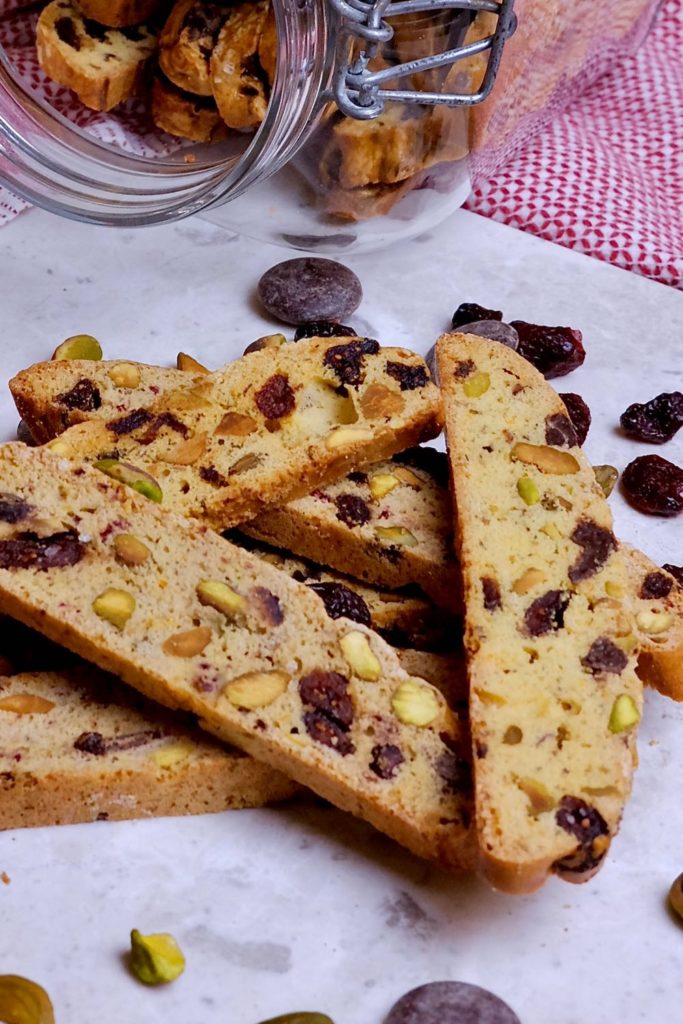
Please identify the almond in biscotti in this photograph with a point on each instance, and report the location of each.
(208, 628)
(102, 65)
(268, 427)
(554, 695)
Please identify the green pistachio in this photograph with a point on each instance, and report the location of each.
(155, 959)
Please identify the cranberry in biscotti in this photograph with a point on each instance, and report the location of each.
(554, 351)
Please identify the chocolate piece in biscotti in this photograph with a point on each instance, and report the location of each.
(554, 696)
(187, 42)
(102, 65)
(185, 115)
(269, 427)
(92, 749)
(200, 625)
(239, 82)
(120, 13)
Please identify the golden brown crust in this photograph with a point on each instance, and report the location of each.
(188, 117)
(238, 88)
(103, 72)
(659, 620)
(120, 13)
(187, 42)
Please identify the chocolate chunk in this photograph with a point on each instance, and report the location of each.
(95, 742)
(409, 377)
(559, 431)
(91, 743)
(324, 329)
(455, 772)
(329, 732)
(276, 398)
(430, 460)
(212, 476)
(127, 424)
(676, 571)
(84, 396)
(386, 759)
(352, 510)
(464, 369)
(655, 585)
(597, 544)
(546, 613)
(587, 826)
(28, 551)
(472, 312)
(347, 361)
(491, 592)
(342, 602)
(450, 1002)
(66, 33)
(309, 288)
(605, 656)
(268, 605)
(13, 508)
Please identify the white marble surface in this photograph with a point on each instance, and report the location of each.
(297, 908)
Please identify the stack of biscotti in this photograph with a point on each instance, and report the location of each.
(203, 626)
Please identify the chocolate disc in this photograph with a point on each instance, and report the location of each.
(450, 1002)
(495, 330)
(303, 290)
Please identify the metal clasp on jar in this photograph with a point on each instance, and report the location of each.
(358, 91)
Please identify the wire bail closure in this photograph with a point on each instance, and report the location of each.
(358, 91)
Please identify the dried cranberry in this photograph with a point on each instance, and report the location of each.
(13, 508)
(655, 421)
(133, 421)
(268, 605)
(587, 826)
(579, 414)
(95, 742)
(554, 351)
(605, 656)
(84, 396)
(450, 1002)
(357, 477)
(347, 361)
(341, 602)
(676, 571)
(409, 377)
(164, 419)
(352, 510)
(469, 312)
(455, 772)
(91, 743)
(597, 543)
(329, 732)
(546, 613)
(276, 398)
(654, 485)
(656, 585)
(491, 592)
(323, 329)
(28, 551)
(213, 476)
(464, 369)
(430, 460)
(386, 759)
(559, 431)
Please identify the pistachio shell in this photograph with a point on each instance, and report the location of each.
(24, 1002)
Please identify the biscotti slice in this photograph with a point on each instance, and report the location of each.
(184, 115)
(658, 601)
(403, 618)
(238, 81)
(57, 394)
(121, 13)
(267, 428)
(203, 626)
(187, 42)
(554, 696)
(102, 65)
(79, 746)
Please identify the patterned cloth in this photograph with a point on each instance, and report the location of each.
(603, 175)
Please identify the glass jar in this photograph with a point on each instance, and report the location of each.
(335, 164)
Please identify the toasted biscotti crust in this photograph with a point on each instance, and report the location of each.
(549, 642)
(187, 41)
(184, 115)
(102, 65)
(52, 396)
(240, 91)
(658, 599)
(270, 426)
(120, 13)
(252, 653)
(79, 746)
